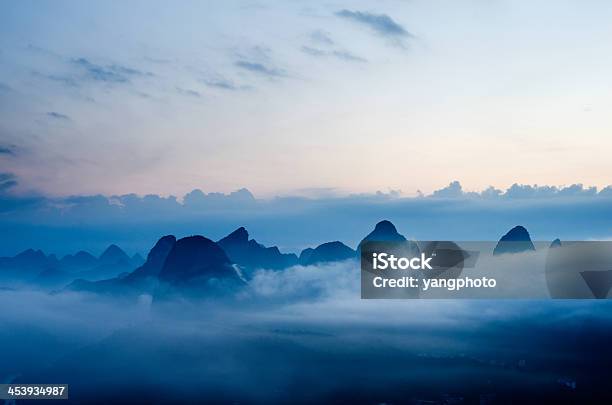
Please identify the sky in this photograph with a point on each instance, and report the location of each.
(288, 97)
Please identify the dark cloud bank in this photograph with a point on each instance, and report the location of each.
(66, 225)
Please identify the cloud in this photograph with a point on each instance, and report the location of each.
(343, 55)
(520, 191)
(453, 190)
(313, 51)
(110, 73)
(254, 349)
(188, 92)
(380, 23)
(295, 283)
(161, 61)
(5, 87)
(68, 81)
(58, 116)
(7, 181)
(7, 150)
(198, 199)
(298, 221)
(349, 57)
(223, 84)
(321, 37)
(260, 68)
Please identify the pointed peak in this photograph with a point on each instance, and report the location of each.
(113, 248)
(113, 252)
(334, 244)
(239, 235)
(516, 240)
(83, 254)
(518, 228)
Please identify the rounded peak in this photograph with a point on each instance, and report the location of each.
(113, 252)
(31, 253)
(335, 246)
(195, 256)
(164, 243)
(518, 233)
(195, 242)
(194, 239)
(335, 243)
(83, 254)
(384, 231)
(385, 226)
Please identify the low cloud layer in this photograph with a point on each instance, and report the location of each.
(66, 225)
(304, 325)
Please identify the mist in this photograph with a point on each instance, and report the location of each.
(306, 330)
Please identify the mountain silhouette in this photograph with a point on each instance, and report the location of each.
(197, 259)
(47, 271)
(114, 255)
(384, 231)
(27, 264)
(253, 255)
(515, 241)
(155, 259)
(178, 263)
(32, 258)
(52, 277)
(555, 243)
(326, 252)
(80, 260)
(136, 260)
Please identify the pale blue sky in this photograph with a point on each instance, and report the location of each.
(163, 97)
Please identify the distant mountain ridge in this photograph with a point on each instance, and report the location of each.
(29, 259)
(81, 259)
(36, 266)
(326, 252)
(198, 260)
(194, 257)
(253, 255)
